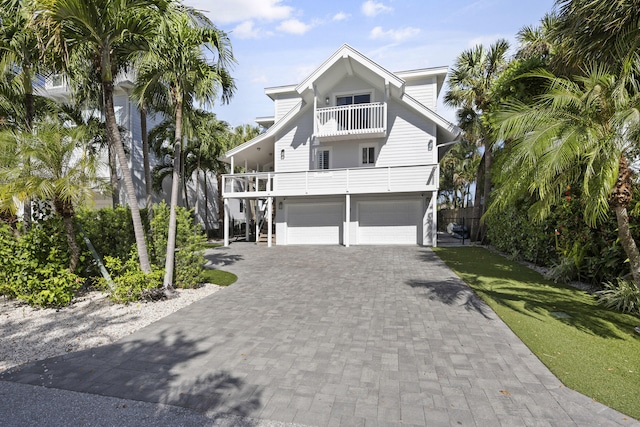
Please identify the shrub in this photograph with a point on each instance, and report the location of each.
(622, 295)
(190, 244)
(33, 267)
(511, 231)
(130, 283)
(110, 230)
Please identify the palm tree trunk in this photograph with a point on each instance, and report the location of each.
(114, 141)
(477, 205)
(183, 173)
(628, 243)
(113, 177)
(488, 160)
(30, 113)
(169, 261)
(621, 197)
(65, 210)
(145, 158)
(197, 195)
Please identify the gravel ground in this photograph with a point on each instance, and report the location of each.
(92, 320)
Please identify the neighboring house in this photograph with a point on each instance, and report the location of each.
(128, 118)
(349, 158)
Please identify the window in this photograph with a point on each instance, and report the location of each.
(323, 158)
(368, 155)
(57, 80)
(241, 206)
(356, 118)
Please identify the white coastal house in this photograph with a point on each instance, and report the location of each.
(349, 158)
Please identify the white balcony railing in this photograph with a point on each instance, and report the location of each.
(357, 119)
(332, 181)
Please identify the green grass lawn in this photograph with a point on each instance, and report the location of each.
(219, 277)
(589, 348)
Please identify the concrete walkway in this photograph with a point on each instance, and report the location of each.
(329, 336)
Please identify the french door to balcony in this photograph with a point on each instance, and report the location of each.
(353, 118)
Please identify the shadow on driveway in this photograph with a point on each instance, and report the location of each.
(161, 370)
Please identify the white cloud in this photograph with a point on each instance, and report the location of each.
(246, 30)
(293, 26)
(341, 16)
(372, 8)
(230, 11)
(397, 35)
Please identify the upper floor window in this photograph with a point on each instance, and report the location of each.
(357, 118)
(364, 98)
(368, 155)
(57, 80)
(323, 158)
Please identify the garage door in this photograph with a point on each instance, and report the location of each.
(389, 222)
(314, 224)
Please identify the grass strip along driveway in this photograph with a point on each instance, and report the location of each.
(592, 350)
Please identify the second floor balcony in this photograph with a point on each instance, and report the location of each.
(351, 121)
(363, 180)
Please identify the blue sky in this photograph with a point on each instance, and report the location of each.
(280, 42)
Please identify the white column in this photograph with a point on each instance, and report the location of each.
(226, 222)
(258, 209)
(232, 166)
(269, 220)
(247, 218)
(433, 211)
(347, 219)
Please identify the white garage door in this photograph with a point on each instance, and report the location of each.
(389, 222)
(314, 224)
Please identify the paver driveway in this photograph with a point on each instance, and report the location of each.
(332, 336)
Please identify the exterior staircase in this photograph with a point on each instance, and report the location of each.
(263, 236)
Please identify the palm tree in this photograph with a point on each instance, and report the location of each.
(18, 47)
(598, 31)
(173, 75)
(582, 130)
(470, 83)
(108, 33)
(63, 171)
(538, 41)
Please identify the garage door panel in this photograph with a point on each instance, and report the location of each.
(389, 222)
(314, 224)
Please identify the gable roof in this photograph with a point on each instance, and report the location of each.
(351, 57)
(446, 131)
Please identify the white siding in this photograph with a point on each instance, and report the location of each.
(295, 141)
(423, 91)
(355, 85)
(408, 138)
(284, 103)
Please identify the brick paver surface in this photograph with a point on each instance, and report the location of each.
(332, 336)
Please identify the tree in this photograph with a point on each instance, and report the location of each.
(470, 83)
(458, 171)
(63, 171)
(18, 46)
(173, 74)
(598, 31)
(583, 131)
(107, 33)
